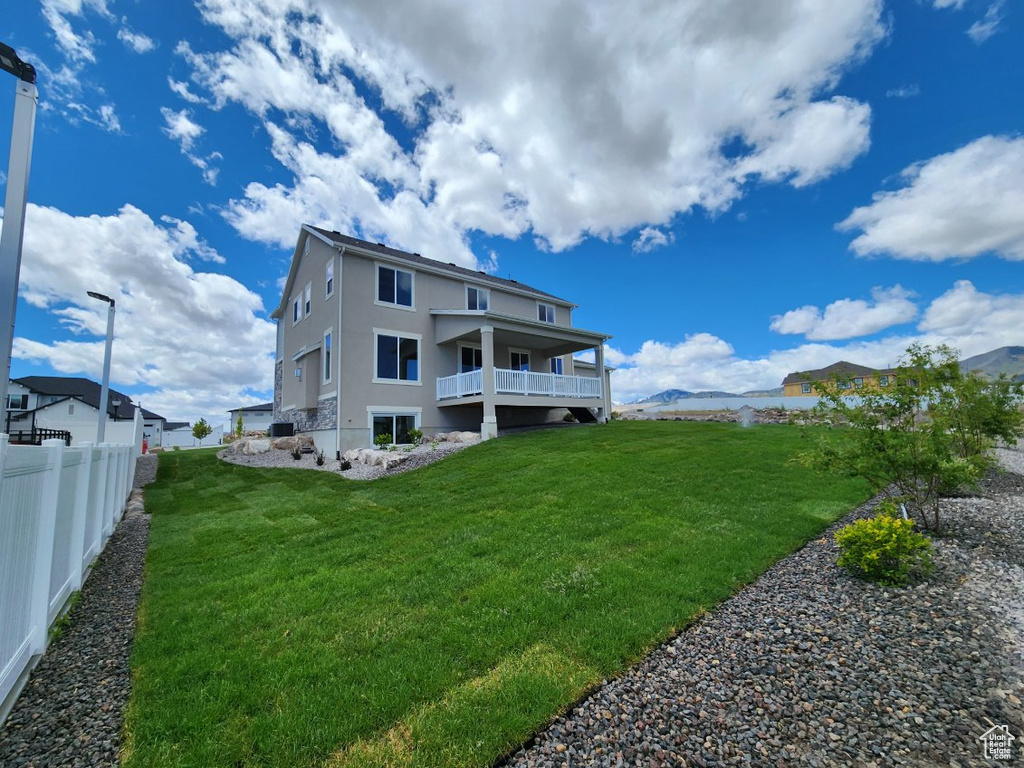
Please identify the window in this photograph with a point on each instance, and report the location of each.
(556, 365)
(394, 286)
(844, 384)
(296, 310)
(477, 298)
(17, 402)
(520, 361)
(71, 409)
(327, 355)
(309, 299)
(470, 359)
(805, 388)
(398, 358)
(395, 424)
(545, 313)
(858, 383)
(883, 381)
(330, 278)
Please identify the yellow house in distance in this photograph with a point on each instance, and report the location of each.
(850, 376)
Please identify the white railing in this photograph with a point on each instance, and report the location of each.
(58, 507)
(508, 382)
(460, 385)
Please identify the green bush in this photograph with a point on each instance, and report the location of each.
(885, 549)
(383, 440)
(415, 435)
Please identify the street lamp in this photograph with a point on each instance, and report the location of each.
(101, 428)
(13, 234)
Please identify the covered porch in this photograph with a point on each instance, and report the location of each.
(479, 378)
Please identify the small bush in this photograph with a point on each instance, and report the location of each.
(382, 440)
(177, 447)
(416, 435)
(296, 453)
(885, 549)
(569, 417)
(319, 456)
(344, 464)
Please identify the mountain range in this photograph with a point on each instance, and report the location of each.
(1008, 360)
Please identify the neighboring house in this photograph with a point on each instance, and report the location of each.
(254, 417)
(850, 377)
(72, 404)
(373, 340)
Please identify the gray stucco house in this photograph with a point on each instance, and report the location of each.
(373, 340)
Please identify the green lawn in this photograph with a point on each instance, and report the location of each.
(293, 618)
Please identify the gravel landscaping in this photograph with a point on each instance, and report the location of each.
(809, 666)
(420, 456)
(72, 710)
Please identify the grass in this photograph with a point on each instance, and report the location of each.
(293, 618)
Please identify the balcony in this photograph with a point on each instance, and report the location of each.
(509, 382)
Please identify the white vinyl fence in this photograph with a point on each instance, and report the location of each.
(58, 507)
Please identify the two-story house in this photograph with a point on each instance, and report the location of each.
(372, 340)
(847, 376)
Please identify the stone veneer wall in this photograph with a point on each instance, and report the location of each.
(324, 417)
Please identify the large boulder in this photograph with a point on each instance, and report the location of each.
(249, 446)
(457, 437)
(303, 442)
(374, 458)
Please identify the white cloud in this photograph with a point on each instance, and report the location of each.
(984, 28)
(954, 206)
(849, 318)
(137, 41)
(651, 238)
(904, 92)
(77, 46)
(180, 127)
(564, 108)
(196, 342)
(104, 116)
(964, 318)
(182, 89)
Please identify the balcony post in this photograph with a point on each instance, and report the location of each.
(606, 403)
(489, 427)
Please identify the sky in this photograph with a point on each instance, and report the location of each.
(732, 190)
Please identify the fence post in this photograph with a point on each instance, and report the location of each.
(81, 514)
(40, 590)
(103, 492)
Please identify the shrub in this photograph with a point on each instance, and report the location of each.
(416, 435)
(885, 549)
(296, 453)
(344, 464)
(319, 456)
(383, 440)
(569, 417)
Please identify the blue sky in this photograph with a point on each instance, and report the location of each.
(732, 190)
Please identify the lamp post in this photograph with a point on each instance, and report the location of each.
(13, 234)
(101, 428)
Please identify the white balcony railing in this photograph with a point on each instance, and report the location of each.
(508, 382)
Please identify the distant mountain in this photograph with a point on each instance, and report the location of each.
(1008, 360)
(773, 392)
(671, 395)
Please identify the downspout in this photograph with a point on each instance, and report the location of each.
(337, 356)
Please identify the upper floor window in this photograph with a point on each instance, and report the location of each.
(394, 286)
(805, 388)
(477, 298)
(296, 310)
(883, 381)
(330, 278)
(17, 402)
(309, 299)
(520, 361)
(545, 313)
(556, 365)
(844, 384)
(858, 383)
(398, 357)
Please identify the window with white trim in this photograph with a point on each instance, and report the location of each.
(556, 365)
(17, 402)
(394, 286)
(398, 358)
(545, 313)
(398, 425)
(477, 298)
(330, 278)
(470, 359)
(520, 361)
(326, 357)
(309, 299)
(296, 310)
(883, 381)
(858, 383)
(805, 388)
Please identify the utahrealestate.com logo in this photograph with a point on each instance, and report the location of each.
(998, 742)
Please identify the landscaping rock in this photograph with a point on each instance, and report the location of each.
(302, 442)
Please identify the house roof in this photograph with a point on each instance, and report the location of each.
(261, 408)
(413, 259)
(86, 390)
(843, 369)
(170, 426)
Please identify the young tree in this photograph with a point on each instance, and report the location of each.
(926, 434)
(200, 430)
